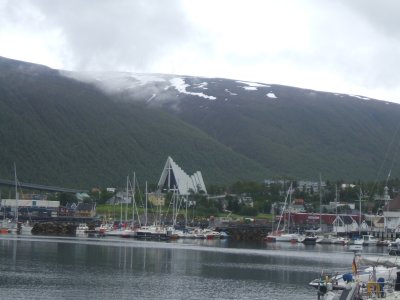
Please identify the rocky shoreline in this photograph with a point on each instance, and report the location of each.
(52, 228)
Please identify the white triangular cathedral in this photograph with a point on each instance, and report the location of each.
(174, 178)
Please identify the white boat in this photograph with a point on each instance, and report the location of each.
(331, 239)
(394, 248)
(356, 248)
(26, 228)
(211, 234)
(103, 228)
(378, 275)
(287, 237)
(115, 232)
(82, 229)
(129, 233)
(145, 232)
(366, 240)
(283, 235)
(198, 233)
(309, 238)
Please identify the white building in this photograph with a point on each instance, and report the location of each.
(173, 178)
(30, 203)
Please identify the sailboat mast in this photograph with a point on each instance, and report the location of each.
(120, 217)
(320, 203)
(336, 203)
(359, 221)
(283, 210)
(127, 198)
(133, 201)
(289, 206)
(145, 216)
(16, 193)
(186, 219)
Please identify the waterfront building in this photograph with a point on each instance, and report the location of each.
(31, 207)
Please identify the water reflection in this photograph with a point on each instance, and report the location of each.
(91, 268)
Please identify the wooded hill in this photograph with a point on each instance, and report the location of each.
(82, 133)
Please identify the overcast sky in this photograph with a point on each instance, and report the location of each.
(346, 46)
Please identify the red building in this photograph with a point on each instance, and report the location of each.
(313, 219)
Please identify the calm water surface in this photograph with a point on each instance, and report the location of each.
(33, 267)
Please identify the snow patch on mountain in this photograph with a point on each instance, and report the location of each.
(180, 85)
(271, 95)
(359, 97)
(202, 85)
(251, 86)
(230, 93)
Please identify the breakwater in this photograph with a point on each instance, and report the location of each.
(53, 228)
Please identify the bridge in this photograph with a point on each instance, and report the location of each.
(40, 187)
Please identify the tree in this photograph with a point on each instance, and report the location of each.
(233, 204)
(65, 198)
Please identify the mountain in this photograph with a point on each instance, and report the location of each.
(60, 131)
(93, 129)
(290, 131)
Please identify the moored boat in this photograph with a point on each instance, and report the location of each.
(331, 239)
(287, 237)
(375, 280)
(211, 234)
(394, 248)
(4, 227)
(82, 228)
(366, 240)
(309, 238)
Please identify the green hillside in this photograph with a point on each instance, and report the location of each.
(302, 133)
(63, 132)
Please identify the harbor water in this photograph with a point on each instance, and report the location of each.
(38, 267)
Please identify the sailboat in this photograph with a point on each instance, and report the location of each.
(281, 235)
(145, 232)
(332, 237)
(131, 231)
(15, 226)
(121, 232)
(4, 223)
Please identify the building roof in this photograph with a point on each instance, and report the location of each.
(174, 178)
(347, 219)
(85, 207)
